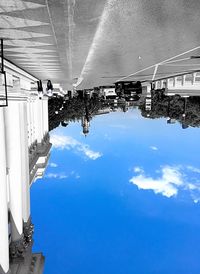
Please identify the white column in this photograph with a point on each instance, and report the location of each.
(36, 119)
(40, 120)
(4, 245)
(13, 146)
(24, 162)
(183, 80)
(167, 83)
(174, 81)
(33, 119)
(193, 78)
(42, 117)
(45, 115)
(28, 122)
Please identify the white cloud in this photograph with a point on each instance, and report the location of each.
(56, 176)
(193, 186)
(153, 148)
(193, 169)
(138, 169)
(62, 175)
(67, 142)
(169, 181)
(63, 142)
(53, 165)
(167, 184)
(90, 153)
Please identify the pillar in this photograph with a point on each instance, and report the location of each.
(29, 122)
(174, 81)
(193, 78)
(4, 245)
(45, 115)
(33, 119)
(183, 80)
(40, 120)
(24, 162)
(13, 147)
(36, 119)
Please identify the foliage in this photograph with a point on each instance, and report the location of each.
(70, 110)
(174, 107)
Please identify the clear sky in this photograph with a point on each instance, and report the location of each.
(123, 200)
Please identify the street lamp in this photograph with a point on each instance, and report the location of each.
(40, 89)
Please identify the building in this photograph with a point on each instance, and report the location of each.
(85, 123)
(25, 149)
(184, 85)
(108, 92)
(146, 90)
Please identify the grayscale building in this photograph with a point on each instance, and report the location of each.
(25, 149)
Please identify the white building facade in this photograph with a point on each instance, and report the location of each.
(24, 152)
(187, 84)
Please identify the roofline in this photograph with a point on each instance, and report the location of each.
(13, 68)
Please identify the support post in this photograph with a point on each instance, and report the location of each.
(13, 142)
(4, 236)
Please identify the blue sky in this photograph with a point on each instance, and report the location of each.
(125, 199)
